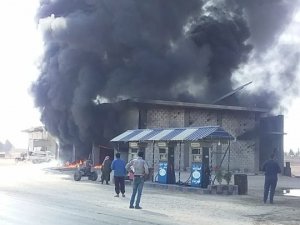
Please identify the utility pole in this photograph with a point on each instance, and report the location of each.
(74, 154)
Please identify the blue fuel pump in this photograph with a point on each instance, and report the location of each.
(200, 174)
(196, 168)
(163, 166)
(196, 174)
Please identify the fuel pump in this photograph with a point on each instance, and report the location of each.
(133, 151)
(166, 172)
(163, 162)
(196, 167)
(200, 173)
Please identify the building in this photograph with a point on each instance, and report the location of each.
(39, 139)
(256, 133)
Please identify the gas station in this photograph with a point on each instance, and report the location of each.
(161, 146)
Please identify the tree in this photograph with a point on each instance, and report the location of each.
(291, 153)
(7, 147)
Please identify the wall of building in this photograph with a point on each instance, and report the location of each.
(244, 153)
(41, 140)
(271, 139)
(165, 118)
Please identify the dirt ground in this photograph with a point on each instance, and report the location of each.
(244, 210)
(173, 206)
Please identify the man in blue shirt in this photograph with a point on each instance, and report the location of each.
(118, 166)
(271, 169)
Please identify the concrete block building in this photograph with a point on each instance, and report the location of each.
(256, 134)
(39, 139)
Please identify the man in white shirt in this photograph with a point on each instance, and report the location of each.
(140, 169)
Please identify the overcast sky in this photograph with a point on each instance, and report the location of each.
(20, 46)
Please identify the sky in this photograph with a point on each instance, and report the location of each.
(21, 46)
(292, 117)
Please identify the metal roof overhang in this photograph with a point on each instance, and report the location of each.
(195, 105)
(184, 134)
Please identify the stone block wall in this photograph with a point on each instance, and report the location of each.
(201, 117)
(243, 152)
(165, 118)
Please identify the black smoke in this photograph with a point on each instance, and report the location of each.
(267, 19)
(107, 50)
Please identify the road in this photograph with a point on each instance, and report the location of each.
(31, 195)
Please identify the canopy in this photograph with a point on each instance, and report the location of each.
(174, 134)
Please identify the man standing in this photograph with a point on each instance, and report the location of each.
(106, 169)
(118, 166)
(271, 169)
(140, 169)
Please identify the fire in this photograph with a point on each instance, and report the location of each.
(74, 164)
(99, 166)
(80, 163)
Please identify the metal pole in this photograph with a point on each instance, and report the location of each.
(179, 161)
(93, 155)
(219, 166)
(153, 160)
(211, 156)
(74, 153)
(228, 158)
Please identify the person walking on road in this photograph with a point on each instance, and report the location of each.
(118, 166)
(271, 169)
(106, 169)
(140, 168)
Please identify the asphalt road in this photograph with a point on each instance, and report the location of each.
(33, 195)
(30, 195)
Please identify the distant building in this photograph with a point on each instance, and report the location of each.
(2, 154)
(39, 139)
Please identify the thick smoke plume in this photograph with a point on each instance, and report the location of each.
(99, 51)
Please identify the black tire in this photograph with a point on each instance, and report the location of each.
(77, 176)
(94, 176)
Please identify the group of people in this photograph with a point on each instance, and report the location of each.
(138, 167)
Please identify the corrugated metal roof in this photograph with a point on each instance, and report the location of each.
(140, 135)
(128, 135)
(212, 132)
(160, 135)
(174, 134)
(151, 135)
(121, 136)
(184, 134)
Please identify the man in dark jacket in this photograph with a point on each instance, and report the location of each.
(118, 166)
(106, 169)
(271, 169)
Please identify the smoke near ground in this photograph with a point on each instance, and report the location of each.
(98, 51)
